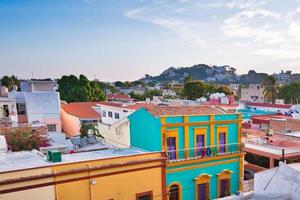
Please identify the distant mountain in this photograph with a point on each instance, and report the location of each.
(219, 74)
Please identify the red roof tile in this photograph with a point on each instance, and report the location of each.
(286, 106)
(134, 106)
(183, 110)
(82, 110)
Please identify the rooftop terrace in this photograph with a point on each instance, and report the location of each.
(33, 159)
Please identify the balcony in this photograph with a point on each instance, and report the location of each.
(204, 152)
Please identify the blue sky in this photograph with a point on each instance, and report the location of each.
(125, 39)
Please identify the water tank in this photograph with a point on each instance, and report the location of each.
(3, 145)
(3, 91)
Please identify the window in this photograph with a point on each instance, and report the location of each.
(117, 115)
(110, 114)
(21, 109)
(144, 196)
(103, 113)
(199, 141)
(174, 192)
(224, 183)
(171, 143)
(202, 187)
(51, 127)
(222, 139)
(5, 111)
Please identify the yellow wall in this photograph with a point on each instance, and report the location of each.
(48, 192)
(118, 183)
(120, 186)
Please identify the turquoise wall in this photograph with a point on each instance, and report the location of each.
(145, 133)
(186, 179)
(145, 130)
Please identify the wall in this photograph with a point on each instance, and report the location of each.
(118, 178)
(145, 130)
(117, 134)
(111, 120)
(45, 193)
(252, 90)
(40, 106)
(115, 186)
(12, 110)
(70, 124)
(186, 178)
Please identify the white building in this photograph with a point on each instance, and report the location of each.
(8, 111)
(41, 106)
(38, 85)
(254, 93)
(114, 125)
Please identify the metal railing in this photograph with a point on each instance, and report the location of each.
(204, 152)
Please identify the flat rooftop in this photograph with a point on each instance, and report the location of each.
(32, 159)
(274, 144)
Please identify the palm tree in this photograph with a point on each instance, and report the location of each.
(270, 89)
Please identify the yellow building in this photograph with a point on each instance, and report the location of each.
(126, 174)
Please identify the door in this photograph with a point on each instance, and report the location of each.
(202, 191)
(224, 188)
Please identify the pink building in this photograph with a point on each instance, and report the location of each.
(74, 114)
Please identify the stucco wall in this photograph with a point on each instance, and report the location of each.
(187, 178)
(145, 131)
(70, 123)
(116, 134)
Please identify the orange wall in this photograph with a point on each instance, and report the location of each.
(70, 123)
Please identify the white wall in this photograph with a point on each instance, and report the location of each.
(118, 134)
(40, 106)
(251, 91)
(123, 113)
(271, 109)
(12, 110)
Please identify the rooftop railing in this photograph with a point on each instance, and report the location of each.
(204, 152)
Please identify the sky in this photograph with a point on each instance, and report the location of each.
(125, 39)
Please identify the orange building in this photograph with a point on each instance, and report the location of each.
(124, 174)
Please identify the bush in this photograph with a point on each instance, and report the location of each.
(25, 139)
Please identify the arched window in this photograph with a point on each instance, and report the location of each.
(174, 192)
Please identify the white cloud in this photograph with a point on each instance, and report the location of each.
(250, 25)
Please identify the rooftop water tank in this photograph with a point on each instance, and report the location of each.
(3, 145)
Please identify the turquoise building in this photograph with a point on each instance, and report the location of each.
(202, 144)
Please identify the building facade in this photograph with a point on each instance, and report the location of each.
(254, 93)
(203, 145)
(124, 175)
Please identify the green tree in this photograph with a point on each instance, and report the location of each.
(25, 139)
(194, 89)
(85, 128)
(224, 89)
(73, 89)
(137, 97)
(151, 93)
(8, 82)
(290, 93)
(270, 89)
(119, 84)
(187, 78)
